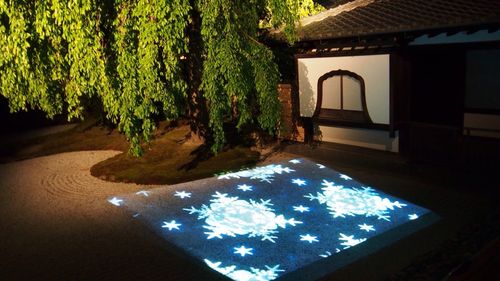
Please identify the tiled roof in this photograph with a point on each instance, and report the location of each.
(373, 17)
(332, 3)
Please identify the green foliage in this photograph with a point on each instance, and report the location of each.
(128, 54)
(148, 41)
(238, 71)
(284, 14)
(16, 75)
(309, 8)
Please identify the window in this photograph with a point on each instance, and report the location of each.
(341, 99)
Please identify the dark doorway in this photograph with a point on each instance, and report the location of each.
(434, 130)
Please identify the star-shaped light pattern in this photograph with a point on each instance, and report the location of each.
(243, 251)
(413, 216)
(235, 273)
(245, 187)
(301, 208)
(345, 177)
(143, 192)
(287, 170)
(171, 225)
(350, 241)
(240, 217)
(115, 201)
(264, 173)
(182, 194)
(366, 227)
(299, 182)
(309, 238)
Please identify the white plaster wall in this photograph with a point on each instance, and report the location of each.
(375, 72)
(475, 122)
(373, 139)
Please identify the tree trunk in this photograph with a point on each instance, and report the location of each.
(197, 109)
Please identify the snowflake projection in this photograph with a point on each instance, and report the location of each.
(115, 201)
(301, 209)
(413, 217)
(244, 187)
(349, 241)
(309, 238)
(264, 174)
(231, 216)
(299, 182)
(243, 251)
(143, 192)
(366, 227)
(273, 222)
(254, 274)
(171, 225)
(326, 254)
(182, 194)
(354, 202)
(345, 177)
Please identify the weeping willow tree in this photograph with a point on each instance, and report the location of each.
(144, 59)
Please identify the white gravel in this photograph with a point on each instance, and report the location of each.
(55, 222)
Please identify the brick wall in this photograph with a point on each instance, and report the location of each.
(289, 129)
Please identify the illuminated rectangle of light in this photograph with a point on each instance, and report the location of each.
(295, 220)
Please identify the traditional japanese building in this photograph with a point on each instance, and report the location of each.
(420, 78)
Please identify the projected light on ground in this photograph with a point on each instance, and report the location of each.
(273, 221)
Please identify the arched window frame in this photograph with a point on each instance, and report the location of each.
(328, 119)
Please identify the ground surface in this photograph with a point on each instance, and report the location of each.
(171, 157)
(57, 225)
(43, 141)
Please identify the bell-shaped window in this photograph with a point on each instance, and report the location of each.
(341, 98)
